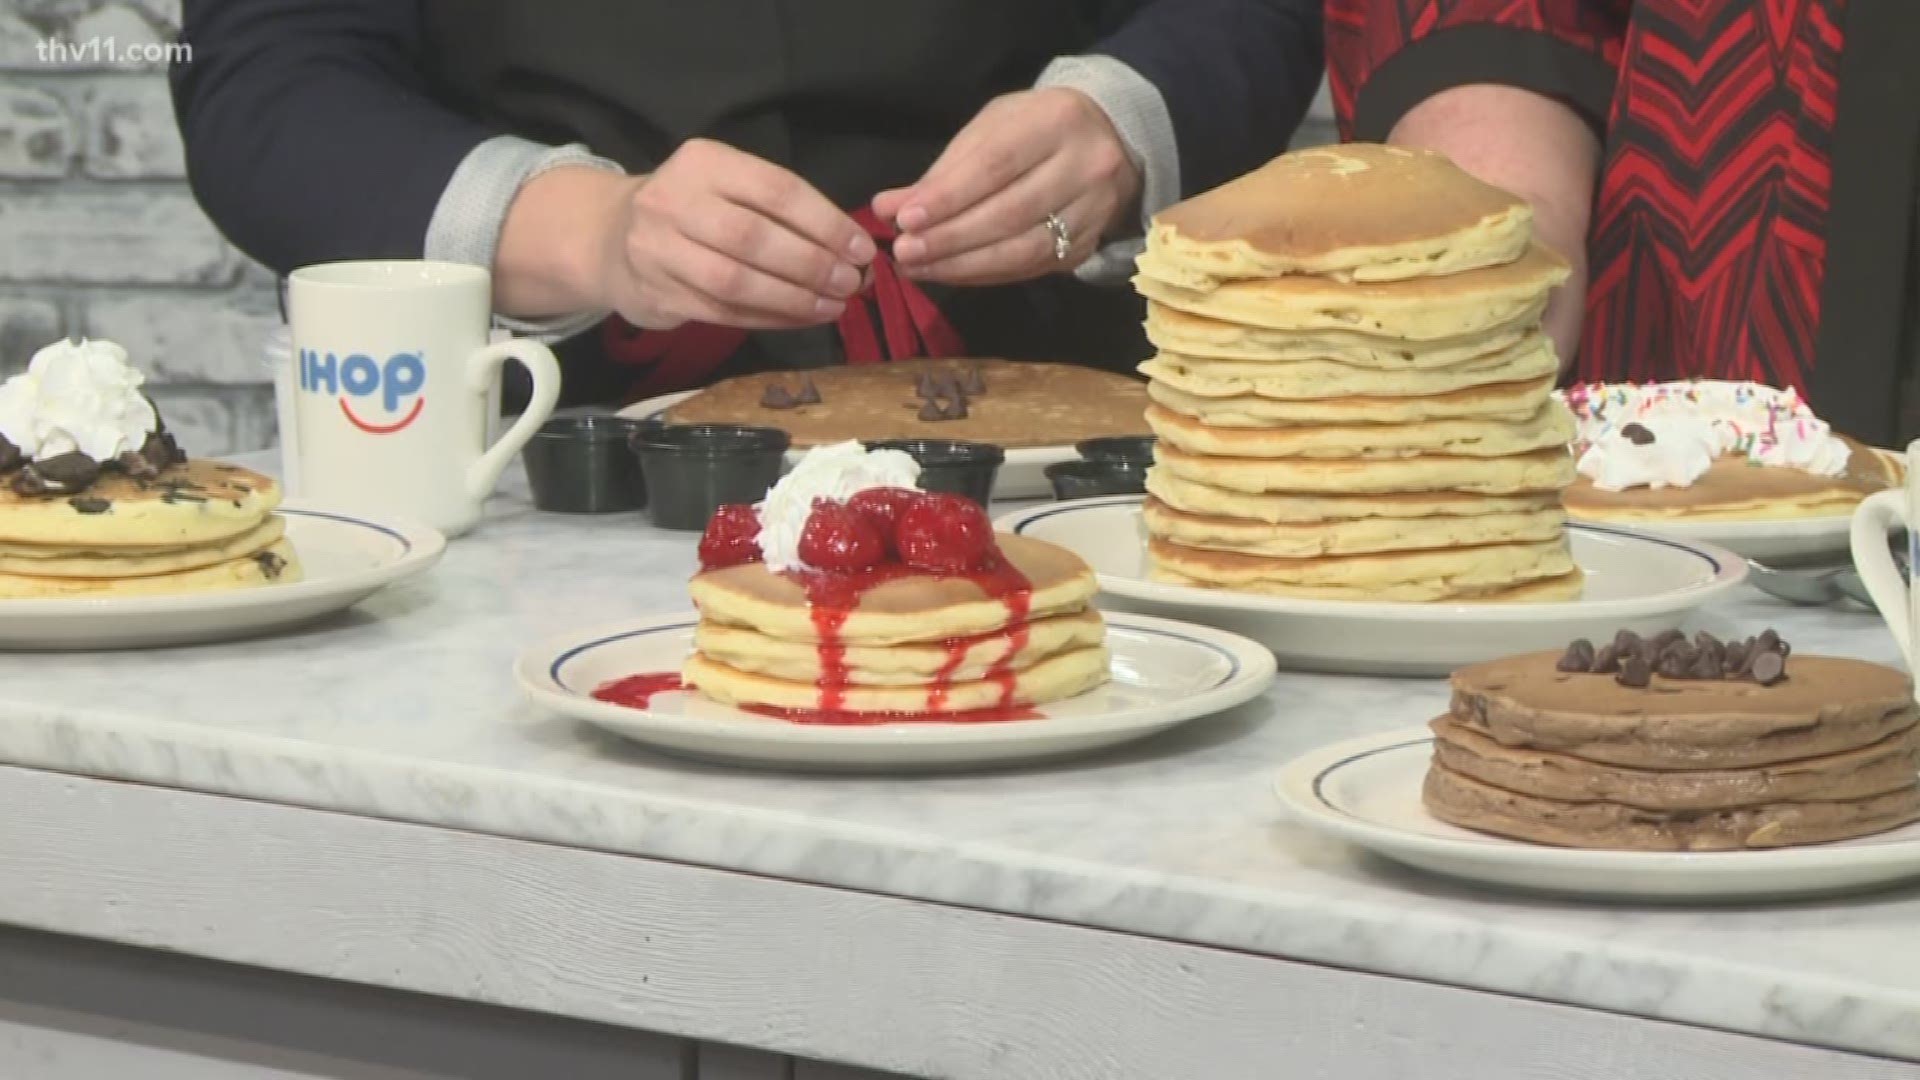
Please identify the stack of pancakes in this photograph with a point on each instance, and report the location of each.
(909, 643)
(199, 526)
(1352, 391)
(1581, 760)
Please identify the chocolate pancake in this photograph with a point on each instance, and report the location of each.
(1467, 802)
(1018, 404)
(1825, 705)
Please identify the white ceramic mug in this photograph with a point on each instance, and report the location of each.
(394, 378)
(1872, 520)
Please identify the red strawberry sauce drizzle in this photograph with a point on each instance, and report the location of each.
(832, 598)
(636, 691)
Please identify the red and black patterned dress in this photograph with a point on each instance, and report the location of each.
(1754, 216)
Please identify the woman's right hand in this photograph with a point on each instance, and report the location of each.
(713, 235)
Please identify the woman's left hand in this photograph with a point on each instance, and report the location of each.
(979, 215)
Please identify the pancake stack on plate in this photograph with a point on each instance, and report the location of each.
(1352, 391)
(198, 526)
(902, 642)
(1707, 746)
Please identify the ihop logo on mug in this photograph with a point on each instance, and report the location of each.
(380, 397)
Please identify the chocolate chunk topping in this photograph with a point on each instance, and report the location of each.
(88, 504)
(72, 470)
(975, 382)
(778, 397)
(1769, 668)
(10, 455)
(936, 410)
(1670, 655)
(137, 466)
(1578, 658)
(270, 563)
(1634, 673)
(1637, 434)
(1665, 638)
(809, 393)
(175, 495)
(29, 482)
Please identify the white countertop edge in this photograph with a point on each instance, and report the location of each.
(1578, 971)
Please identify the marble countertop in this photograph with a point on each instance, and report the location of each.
(406, 709)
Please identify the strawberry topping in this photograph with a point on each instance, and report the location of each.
(732, 537)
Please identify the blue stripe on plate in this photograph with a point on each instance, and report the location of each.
(406, 545)
(1572, 526)
(1320, 778)
(553, 668)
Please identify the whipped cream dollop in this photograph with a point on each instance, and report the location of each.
(835, 472)
(77, 397)
(1668, 434)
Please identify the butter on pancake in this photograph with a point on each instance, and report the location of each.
(1666, 744)
(1019, 403)
(1403, 213)
(1714, 450)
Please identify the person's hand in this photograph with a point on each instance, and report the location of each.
(978, 216)
(719, 236)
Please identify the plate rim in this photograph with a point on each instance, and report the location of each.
(1255, 669)
(1016, 455)
(1729, 571)
(1297, 785)
(421, 547)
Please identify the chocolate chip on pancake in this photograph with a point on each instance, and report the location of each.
(88, 504)
(778, 397)
(809, 391)
(1637, 434)
(10, 455)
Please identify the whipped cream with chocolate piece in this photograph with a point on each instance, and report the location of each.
(78, 410)
(1659, 435)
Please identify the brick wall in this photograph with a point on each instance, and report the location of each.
(100, 236)
(98, 232)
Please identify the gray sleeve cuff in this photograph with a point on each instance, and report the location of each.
(465, 227)
(1139, 114)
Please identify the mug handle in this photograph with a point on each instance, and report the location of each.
(1871, 521)
(483, 370)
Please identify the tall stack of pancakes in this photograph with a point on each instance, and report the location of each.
(196, 526)
(1352, 390)
(1767, 753)
(909, 643)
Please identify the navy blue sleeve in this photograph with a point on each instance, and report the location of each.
(310, 135)
(1237, 76)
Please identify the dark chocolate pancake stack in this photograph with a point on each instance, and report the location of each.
(1669, 744)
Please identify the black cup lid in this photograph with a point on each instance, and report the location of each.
(710, 440)
(943, 453)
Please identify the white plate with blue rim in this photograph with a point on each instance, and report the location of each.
(1023, 475)
(345, 557)
(1366, 792)
(1634, 581)
(1163, 673)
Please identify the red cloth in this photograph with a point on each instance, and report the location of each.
(1707, 247)
(910, 325)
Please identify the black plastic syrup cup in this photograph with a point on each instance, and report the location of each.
(1086, 479)
(694, 469)
(961, 468)
(1125, 448)
(585, 465)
